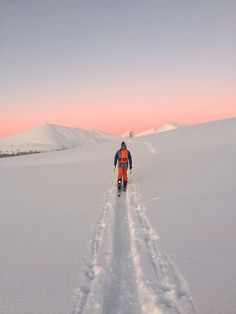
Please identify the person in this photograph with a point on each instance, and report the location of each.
(124, 160)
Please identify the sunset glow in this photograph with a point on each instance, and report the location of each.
(78, 65)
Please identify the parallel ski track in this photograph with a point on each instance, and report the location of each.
(165, 283)
(126, 272)
(88, 296)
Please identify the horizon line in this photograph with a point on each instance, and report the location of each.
(120, 135)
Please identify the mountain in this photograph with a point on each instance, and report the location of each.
(166, 127)
(50, 137)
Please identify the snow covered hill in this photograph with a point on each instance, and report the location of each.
(164, 128)
(194, 136)
(69, 245)
(49, 137)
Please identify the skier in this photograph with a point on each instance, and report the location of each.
(124, 159)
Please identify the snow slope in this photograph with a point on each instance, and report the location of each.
(193, 137)
(49, 137)
(164, 128)
(68, 245)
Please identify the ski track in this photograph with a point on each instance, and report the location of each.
(88, 296)
(149, 146)
(167, 287)
(120, 290)
(126, 272)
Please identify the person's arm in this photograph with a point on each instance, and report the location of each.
(130, 160)
(116, 158)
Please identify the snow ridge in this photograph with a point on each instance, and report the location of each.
(49, 137)
(169, 289)
(164, 128)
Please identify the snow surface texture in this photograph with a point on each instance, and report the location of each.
(131, 275)
(164, 128)
(69, 245)
(49, 137)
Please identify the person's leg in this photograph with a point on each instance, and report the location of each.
(125, 175)
(125, 178)
(119, 179)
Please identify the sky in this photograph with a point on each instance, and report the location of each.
(116, 65)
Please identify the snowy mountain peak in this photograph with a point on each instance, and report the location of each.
(49, 137)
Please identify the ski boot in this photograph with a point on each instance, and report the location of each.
(124, 185)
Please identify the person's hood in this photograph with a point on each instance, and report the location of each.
(123, 145)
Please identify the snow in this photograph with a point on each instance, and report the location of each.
(164, 128)
(49, 137)
(69, 245)
(128, 134)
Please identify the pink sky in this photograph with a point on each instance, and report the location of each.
(137, 106)
(121, 108)
(116, 66)
(117, 118)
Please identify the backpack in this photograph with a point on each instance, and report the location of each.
(123, 156)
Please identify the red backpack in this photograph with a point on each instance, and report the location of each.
(123, 158)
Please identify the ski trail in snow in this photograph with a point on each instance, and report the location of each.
(149, 146)
(120, 291)
(147, 297)
(126, 272)
(167, 288)
(89, 295)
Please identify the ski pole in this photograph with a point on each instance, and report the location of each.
(113, 174)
